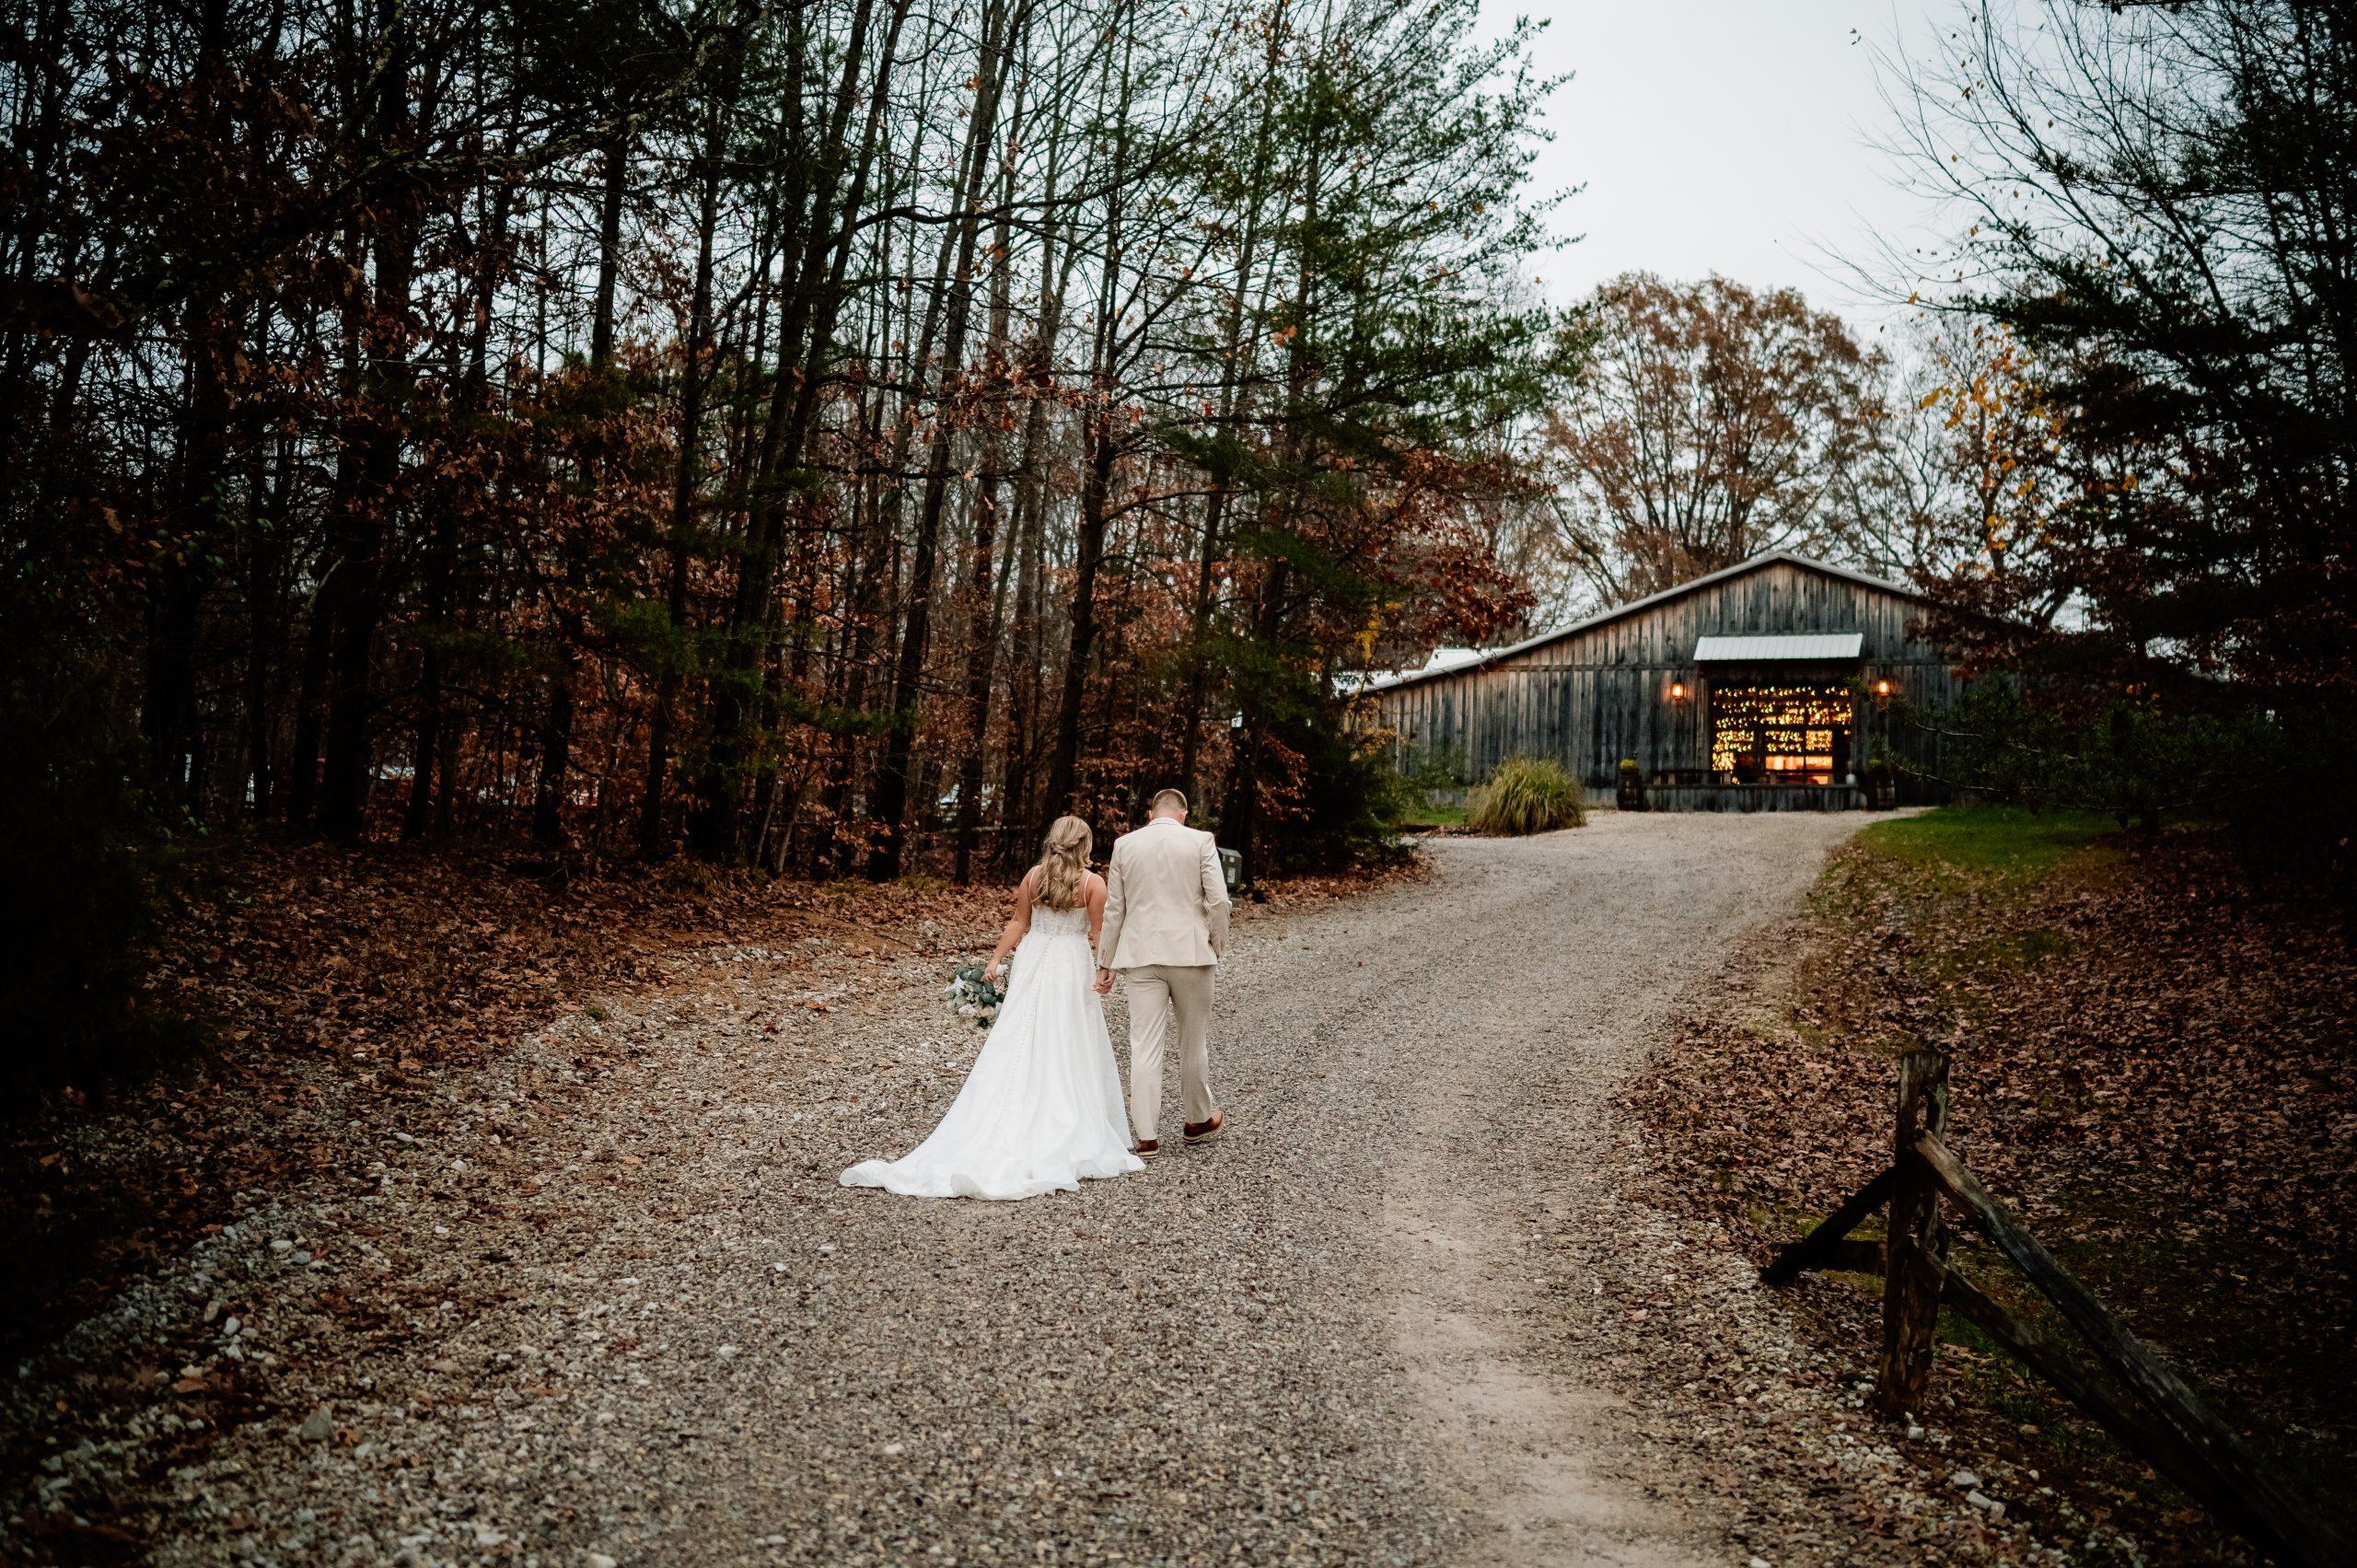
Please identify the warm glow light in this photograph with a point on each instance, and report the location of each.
(1778, 730)
(1678, 691)
(1882, 687)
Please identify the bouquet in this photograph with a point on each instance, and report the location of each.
(973, 995)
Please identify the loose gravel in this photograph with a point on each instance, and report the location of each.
(615, 1309)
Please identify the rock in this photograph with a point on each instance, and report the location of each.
(318, 1428)
(1964, 1480)
(486, 1535)
(1986, 1504)
(599, 1560)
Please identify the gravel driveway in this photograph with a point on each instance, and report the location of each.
(629, 1315)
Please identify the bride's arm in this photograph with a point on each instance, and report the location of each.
(1096, 907)
(1017, 926)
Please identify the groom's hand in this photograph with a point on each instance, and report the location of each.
(1104, 982)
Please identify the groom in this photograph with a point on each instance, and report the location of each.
(1165, 921)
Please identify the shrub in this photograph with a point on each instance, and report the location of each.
(1331, 798)
(1528, 795)
(2277, 776)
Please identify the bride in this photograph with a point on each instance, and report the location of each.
(1042, 1107)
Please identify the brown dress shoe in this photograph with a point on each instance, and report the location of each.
(1205, 1131)
(1146, 1148)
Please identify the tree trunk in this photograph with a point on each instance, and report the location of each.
(178, 578)
(654, 842)
(1025, 685)
(804, 335)
(1063, 768)
(986, 603)
(892, 781)
(1231, 396)
(556, 735)
(427, 741)
(366, 517)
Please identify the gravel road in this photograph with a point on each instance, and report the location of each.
(624, 1314)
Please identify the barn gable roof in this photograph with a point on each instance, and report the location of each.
(1637, 607)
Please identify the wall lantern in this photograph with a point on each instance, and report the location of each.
(1678, 691)
(1882, 692)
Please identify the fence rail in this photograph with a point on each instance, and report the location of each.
(2126, 1388)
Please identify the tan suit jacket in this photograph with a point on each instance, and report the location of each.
(1165, 901)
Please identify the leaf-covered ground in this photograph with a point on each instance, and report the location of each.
(336, 991)
(2151, 1063)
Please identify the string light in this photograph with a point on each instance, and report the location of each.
(1784, 730)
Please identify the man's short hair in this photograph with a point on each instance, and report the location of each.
(1169, 800)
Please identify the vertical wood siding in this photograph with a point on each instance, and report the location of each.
(1594, 696)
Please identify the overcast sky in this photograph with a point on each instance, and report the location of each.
(1724, 135)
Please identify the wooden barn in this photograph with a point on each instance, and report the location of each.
(1764, 687)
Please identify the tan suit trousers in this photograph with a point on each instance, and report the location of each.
(1163, 996)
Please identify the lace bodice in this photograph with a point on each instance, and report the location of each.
(1059, 922)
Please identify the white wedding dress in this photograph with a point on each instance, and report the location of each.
(1042, 1107)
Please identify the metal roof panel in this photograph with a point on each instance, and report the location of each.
(1760, 649)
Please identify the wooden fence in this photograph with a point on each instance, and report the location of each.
(2124, 1387)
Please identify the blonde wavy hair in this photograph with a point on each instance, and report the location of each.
(1063, 864)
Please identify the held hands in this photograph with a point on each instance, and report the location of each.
(1104, 982)
(997, 966)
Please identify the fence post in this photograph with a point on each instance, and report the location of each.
(1915, 1246)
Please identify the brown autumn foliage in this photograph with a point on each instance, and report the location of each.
(1713, 422)
(2149, 1065)
(831, 442)
(327, 1030)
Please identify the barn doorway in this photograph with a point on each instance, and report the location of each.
(1780, 734)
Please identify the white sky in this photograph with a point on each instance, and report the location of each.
(1724, 136)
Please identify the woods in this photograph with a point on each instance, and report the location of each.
(828, 437)
(2149, 306)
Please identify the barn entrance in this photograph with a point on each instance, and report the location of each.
(1784, 734)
